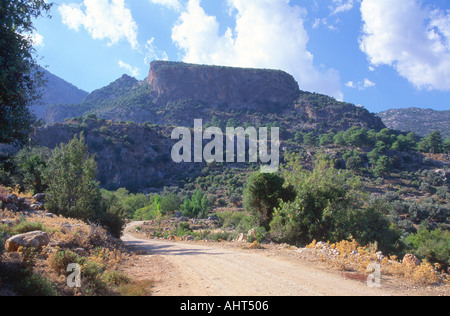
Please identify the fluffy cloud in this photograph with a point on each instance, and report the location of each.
(267, 34)
(411, 38)
(103, 19)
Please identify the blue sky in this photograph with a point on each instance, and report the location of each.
(381, 54)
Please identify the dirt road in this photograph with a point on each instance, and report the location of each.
(199, 270)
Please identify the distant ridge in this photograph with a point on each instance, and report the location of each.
(419, 121)
(176, 93)
(56, 91)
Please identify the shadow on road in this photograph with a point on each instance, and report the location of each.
(166, 249)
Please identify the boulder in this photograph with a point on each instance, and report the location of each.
(40, 197)
(38, 207)
(411, 260)
(188, 238)
(12, 199)
(36, 239)
(12, 207)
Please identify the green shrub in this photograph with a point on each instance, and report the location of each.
(259, 235)
(115, 278)
(73, 191)
(433, 245)
(60, 260)
(263, 194)
(26, 227)
(329, 206)
(35, 285)
(198, 206)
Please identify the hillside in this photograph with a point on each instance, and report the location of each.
(419, 121)
(56, 91)
(36, 246)
(178, 93)
(128, 155)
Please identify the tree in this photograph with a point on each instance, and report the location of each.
(356, 136)
(339, 139)
(354, 162)
(326, 139)
(329, 206)
(32, 165)
(310, 139)
(263, 194)
(20, 78)
(436, 142)
(72, 189)
(447, 146)
(433, 143)
(323, 201)
(382, 166)
(404, 143)
(198, 206)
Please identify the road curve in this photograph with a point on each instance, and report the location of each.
(208, 271)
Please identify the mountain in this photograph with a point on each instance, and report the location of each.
(127, 154)
(419, 121)
(56, 91)
(177, 93)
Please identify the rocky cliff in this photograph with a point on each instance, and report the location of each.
(176, 93)
(222, 87)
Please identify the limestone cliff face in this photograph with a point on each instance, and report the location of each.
(222, 87)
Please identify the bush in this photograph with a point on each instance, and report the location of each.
(320, 196)
(170, 203)
(35, 285)
(31, 165)
(433, 245)
(26, 227)
(330, 207)
(263, 194)
(59, 260)
(72, 189)
(259, 235)
(198, 206)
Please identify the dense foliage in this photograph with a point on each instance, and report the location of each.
(19, 75)
(329, 205)
(263, 194)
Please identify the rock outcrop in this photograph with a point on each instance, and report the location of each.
(223, 87)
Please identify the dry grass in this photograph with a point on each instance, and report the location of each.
(350, 256)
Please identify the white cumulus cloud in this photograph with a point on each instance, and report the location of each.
(409, 37)
(103, 19)
(267, 34)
